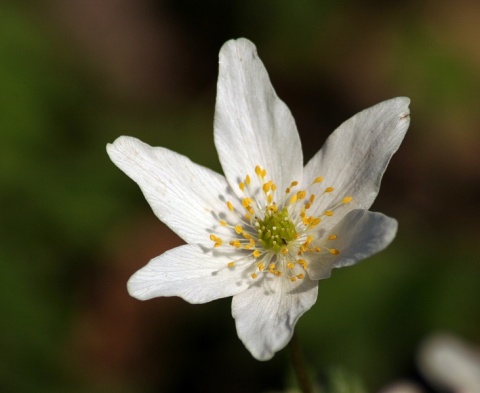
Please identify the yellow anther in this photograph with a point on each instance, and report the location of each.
(213, 238)
(328, 213)
(261, 267)
(241, 185)
(230, 206)
(246, 202)
(258, 170)
(264, 173)
(247, 180)
(277, 273)
(312, 198)
(252, 242)
(274, 186)
(301, 194)
(318, 249)
(301, 262)
(293, 279)
(308, 205)
(313, 222)
(290, 265)
(235, 243)
(253, 275)
(332, 237)
(267, 186)
(318, 179)
(287, 190)
(293, 183)
(300, 276)
(231, 264)
(293, 199)
(223, 223)
(347, 199)
(334, 251)
(247, 235)
(238, 229)
(284, 251)
(269, 198)
(271, 267)
(329, 189)
(256, 253)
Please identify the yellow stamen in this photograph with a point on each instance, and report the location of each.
(230, 206)
(318, 179)
(329, 189)
(231, 264)
(334, 251)
(347, 199)
(301, 194)
(332, 237)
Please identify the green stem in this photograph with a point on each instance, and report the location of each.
(299, 365)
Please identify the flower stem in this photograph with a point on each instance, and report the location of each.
(298, 363)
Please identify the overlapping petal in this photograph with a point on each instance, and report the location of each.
(252, 125)
(355, 156)
(360, 234)
(266, 314)
(190, 272)
(184, 195)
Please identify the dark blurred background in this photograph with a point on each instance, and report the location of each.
(75, 74)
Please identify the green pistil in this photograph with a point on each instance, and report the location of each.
(276, 230)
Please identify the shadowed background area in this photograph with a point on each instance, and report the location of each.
(75, 75)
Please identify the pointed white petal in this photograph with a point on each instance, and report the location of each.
(188, 271)
(267, 312)
(355, 156)
(182, 194)
(360, 234)
(252, 125)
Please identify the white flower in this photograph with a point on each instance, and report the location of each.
(271, 228)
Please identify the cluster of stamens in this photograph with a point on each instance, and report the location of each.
(279, 237)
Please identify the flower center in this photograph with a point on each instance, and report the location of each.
(278, 238)
(276, 230)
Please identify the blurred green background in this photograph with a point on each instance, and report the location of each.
(75, 75)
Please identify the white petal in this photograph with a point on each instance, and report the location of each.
(355, 156)
(252, 125)
(267, 312)
(188, 271)
(360, 234)
(182, 194)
